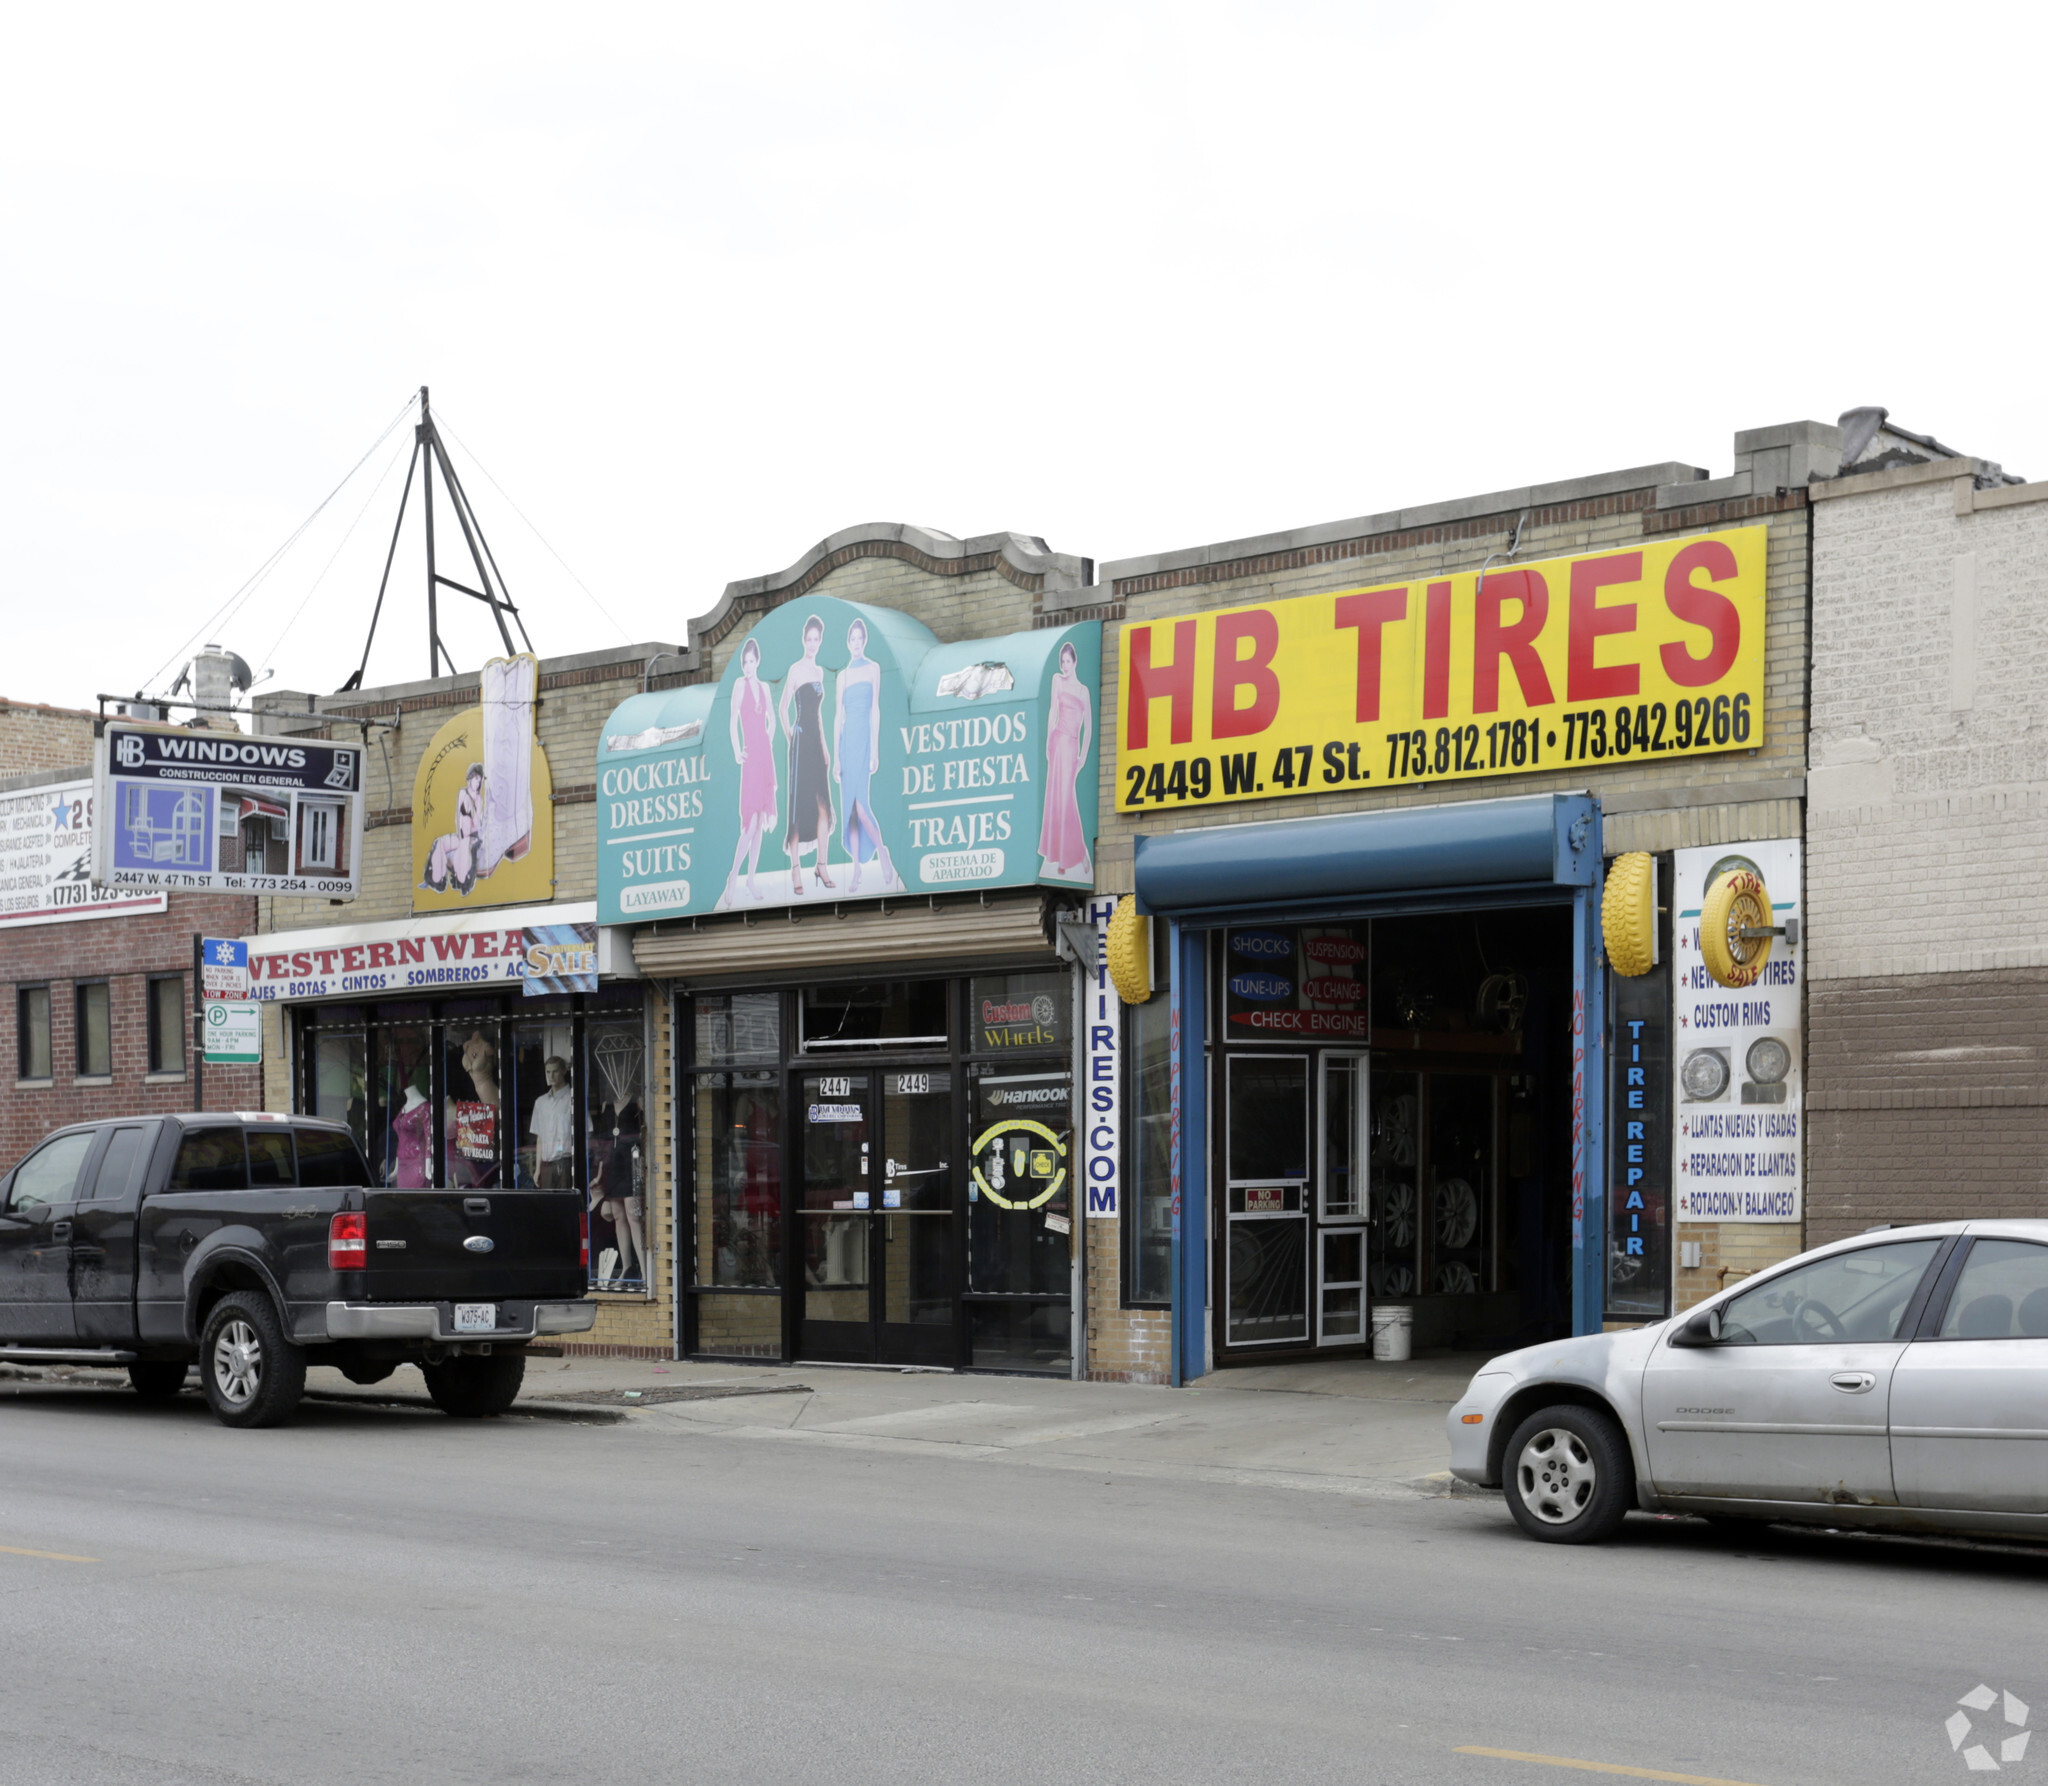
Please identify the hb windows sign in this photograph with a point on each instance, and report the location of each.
(181, 808)
(1652, 652)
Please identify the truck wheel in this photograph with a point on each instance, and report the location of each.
(1569, 1476)
(253, 1375)
(472, 1387)
(156, 1379)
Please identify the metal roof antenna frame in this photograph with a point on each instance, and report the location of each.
(428, 453)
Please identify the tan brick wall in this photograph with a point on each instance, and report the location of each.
(1125, 1345)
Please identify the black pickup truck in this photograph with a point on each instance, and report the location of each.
(256, 1244)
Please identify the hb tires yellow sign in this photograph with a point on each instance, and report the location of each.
(1652, 652)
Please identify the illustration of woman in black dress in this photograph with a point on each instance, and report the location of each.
(810, 772)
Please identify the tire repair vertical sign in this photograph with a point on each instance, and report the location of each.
(1102, 1095)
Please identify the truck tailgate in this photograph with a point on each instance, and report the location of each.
(428, 1246)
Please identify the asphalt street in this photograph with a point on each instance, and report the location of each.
(378, 1593)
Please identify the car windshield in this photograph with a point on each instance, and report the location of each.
(1860, 1295)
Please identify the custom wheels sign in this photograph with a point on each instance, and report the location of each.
(176, 808)
(1657, 651)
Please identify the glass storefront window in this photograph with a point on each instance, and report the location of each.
(1020, 1201)
(544, 1129)
(882, 1013)
(473, 1138)
(403, 1117)
(1019, 1336)
(734, 1028)
(1395, 1161)
(341, 1082)
(616, 1168)
(739, 1180)
(1460, 1214)
(1016, 1013)
(1148, 1222)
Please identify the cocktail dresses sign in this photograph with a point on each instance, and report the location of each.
(847, 754)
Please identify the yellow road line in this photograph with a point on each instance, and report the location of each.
(53, 1556)
(1604, 1767)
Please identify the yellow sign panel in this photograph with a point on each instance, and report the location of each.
(1652, 652)
(483, 812)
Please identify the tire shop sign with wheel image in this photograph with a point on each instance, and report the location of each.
(1738, 1051)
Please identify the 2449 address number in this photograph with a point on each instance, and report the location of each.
(1587, 734)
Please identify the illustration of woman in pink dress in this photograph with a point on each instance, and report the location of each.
(753, 747)
(1070, 722)
(453, 859)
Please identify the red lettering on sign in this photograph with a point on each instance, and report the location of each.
(326, 959)
(1151, 682)
(381, 955)
(1436, 652)
(450, 948)
(1235, 671)
(411, 949)
(1370, 610)
(1585, 679)
(353, 959)
(1706, 608)
(1493, 639)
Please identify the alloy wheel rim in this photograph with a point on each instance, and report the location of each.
(238, 1363)
(1557, 1476)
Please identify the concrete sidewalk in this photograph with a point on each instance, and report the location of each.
(1347, 1427)
(1353, 1427)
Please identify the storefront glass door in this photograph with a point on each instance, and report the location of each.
(1266, 1250)
(1341, 1209)
(875, 1208)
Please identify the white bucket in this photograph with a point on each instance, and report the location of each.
(1393, 1331)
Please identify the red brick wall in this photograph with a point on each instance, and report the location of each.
(34, 738)
(127, 952)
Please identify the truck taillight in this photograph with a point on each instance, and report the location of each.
(348, 1241)
(583, 1223)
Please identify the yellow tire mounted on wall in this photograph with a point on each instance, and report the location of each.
(1130, 952)
(1628, 914)
(1736, 905)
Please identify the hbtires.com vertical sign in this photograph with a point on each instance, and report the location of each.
(1102, 1094)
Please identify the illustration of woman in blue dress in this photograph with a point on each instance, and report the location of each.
(857, 755)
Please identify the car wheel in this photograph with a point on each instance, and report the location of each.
(156, 1379)
(471, 1387)
(253, 1375)
(1569, 1477)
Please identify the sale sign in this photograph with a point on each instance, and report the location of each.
(1650, 652)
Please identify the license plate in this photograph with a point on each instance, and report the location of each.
(476, 1317)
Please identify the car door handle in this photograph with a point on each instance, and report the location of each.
(60, 1230)
(1853, 1382)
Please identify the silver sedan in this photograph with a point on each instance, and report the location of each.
(1896, 1381)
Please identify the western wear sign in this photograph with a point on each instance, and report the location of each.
(1655, 651)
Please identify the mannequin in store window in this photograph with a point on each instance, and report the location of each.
(554, 1129)
(616, 1197)
(473, 1121)
(413, 1132)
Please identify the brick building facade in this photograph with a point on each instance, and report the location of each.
(51, 974)
(1928, 841)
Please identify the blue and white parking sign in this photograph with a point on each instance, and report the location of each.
(223, 967)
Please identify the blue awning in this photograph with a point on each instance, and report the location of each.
(1524, 841)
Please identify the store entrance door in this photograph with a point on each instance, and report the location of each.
(1341, 1202)
(875, 1199)
(1295, 1141)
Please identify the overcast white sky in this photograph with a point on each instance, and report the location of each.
(700, 285)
